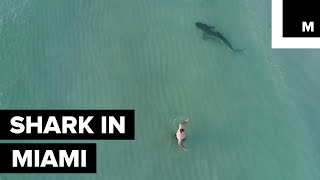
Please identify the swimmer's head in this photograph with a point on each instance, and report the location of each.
(181, 130)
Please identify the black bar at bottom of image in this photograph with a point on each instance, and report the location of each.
(48, 158)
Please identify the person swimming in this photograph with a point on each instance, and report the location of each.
(181, 134)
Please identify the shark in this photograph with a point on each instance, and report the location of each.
(211, 32)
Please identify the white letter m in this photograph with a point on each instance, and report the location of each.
(308, 27)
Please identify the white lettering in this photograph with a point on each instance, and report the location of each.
(83, 158)
(74, 156)
(114, 123)
(84, 125)
(49, 159)
(308, 27)
(28, 159)
(71, 126)
(15, 122)
(16, 156)
(52, 125)
(103, 125)
(36, 158)
(37, 124)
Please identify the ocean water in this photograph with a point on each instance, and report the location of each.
(253, 115)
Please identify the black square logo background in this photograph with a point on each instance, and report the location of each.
(297, 11)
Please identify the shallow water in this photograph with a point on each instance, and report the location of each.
(253, 114)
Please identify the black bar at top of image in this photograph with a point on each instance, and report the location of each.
(297, 11)
(95, 124)
(7, 165)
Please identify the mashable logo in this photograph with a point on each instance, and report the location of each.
(295, 24)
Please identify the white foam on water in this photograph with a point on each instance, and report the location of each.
(10, 11)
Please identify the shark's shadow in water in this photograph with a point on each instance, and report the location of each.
(211, 32)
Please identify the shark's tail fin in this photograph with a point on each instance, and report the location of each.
(238, 50)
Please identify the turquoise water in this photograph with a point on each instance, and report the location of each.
(253, 114)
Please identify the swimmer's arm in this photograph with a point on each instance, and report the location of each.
(184, 122)
(180, 144)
